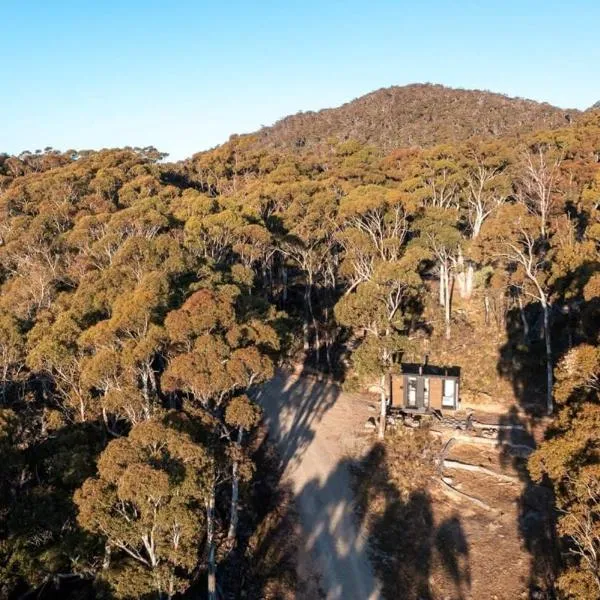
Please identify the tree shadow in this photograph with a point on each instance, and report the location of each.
(406, 543)
(536, 504)
(522, 359)
(522, 362)
(332, 537)
(453, 549)
(263, 563)
(293, 407)
(40, 519)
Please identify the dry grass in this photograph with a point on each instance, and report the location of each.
(425, 546)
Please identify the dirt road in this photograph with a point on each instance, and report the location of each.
(313, 425)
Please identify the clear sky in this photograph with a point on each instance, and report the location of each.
(183, 75)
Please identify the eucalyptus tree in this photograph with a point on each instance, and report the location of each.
(514, 237)
(440, 237)
(144, 502)
(218, 349)
(487, 185)
(379, 308)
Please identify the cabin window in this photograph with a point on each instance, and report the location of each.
(412, 392)
(449, 396)
(426, 392)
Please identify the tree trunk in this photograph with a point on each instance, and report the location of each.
(442, 284)
(235, 493)
(455, 464)
(524, 321)
(464, 277)
(470, 275)
(210, 546)
(152, 380)
(383, 410)
(327, 340)
(308, 300)
(486, 304)
(305, 336)
(107, 554)
(284, 281)
(548, 340)
(448, 300)
(145, 394)
(461, 279)
(317, 342)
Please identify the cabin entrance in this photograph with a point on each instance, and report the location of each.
(417, 392)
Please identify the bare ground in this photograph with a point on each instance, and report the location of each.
(426, 546)
(313, 425)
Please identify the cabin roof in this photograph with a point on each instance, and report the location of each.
(429, 370)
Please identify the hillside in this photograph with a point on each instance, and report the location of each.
(145, 302)
(416, 115)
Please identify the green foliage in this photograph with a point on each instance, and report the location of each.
(132, 288)
(145, 503)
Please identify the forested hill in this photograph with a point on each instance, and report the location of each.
(416, 115)
(142, 301)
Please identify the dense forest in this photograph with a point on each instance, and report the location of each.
(142, 304)
(416, 115)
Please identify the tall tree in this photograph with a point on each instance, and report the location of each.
(515, 237)
(144, 502)
(439, 235)
(379, 308)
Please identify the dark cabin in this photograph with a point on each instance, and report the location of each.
(424, 388)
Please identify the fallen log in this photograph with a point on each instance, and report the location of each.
(455, 494)
(479, 425)
(455, 464)
(514, 449)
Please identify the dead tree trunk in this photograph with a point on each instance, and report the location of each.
(454, 464)
(107, 556)
(284, 281)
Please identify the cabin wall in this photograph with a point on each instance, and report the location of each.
(397, 391)
(398, 385)
(435, 393)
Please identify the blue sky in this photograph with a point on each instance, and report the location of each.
(184, 75)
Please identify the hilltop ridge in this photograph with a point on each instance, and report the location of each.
(416, 115)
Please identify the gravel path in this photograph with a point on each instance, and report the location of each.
(314, 427)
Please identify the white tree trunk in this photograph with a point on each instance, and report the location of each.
(464, 277)
(442, 279)
(284, 279)
(235, 493)
(107, 555)
(305, 336)
(461, 280)
(470, 275)
(308, 300)
(383, 410)
(210, 546)
(447, 305)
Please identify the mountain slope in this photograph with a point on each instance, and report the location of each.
(415, 115)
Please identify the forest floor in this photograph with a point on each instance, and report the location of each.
(430, 546)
